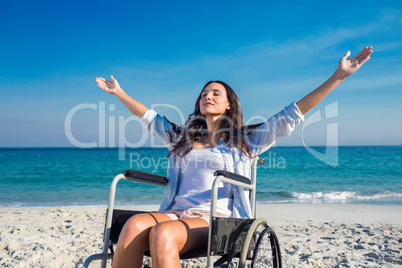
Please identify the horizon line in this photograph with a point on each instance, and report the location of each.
(281, 146)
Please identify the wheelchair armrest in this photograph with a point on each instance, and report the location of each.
(233, 176)
(138, 176)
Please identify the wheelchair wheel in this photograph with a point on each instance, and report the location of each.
(261, 247)
(266, 251)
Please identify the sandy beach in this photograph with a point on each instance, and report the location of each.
(310, 235)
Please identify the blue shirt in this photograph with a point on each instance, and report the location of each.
(259, 141)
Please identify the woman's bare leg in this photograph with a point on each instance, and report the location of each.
(169, 239)
(134, 237)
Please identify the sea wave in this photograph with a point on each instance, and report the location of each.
(347, 196)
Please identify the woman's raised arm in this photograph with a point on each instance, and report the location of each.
(345, 68)
(113, 87)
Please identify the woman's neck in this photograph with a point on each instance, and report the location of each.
(212, 136)
(213, 124)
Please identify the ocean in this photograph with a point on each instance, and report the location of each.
(78, 177)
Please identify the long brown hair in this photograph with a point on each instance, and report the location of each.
(230, 128)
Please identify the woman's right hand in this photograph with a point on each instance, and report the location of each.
(110, 87)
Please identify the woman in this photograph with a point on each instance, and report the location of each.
(213, 138)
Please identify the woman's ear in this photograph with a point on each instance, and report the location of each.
(228, 108)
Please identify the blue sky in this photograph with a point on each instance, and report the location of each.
(163, 52)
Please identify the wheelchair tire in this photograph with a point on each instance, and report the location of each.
(265, 252)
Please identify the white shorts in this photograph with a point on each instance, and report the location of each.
(187, 214)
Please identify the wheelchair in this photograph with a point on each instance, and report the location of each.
(232, 242)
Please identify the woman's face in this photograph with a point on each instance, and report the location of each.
(214, 101)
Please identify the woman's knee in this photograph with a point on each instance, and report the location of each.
(162, 239)
(136, 231)
(135, 224)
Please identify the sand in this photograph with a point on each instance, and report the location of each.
(310, 235)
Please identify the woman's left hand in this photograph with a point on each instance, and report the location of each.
(347, 67)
